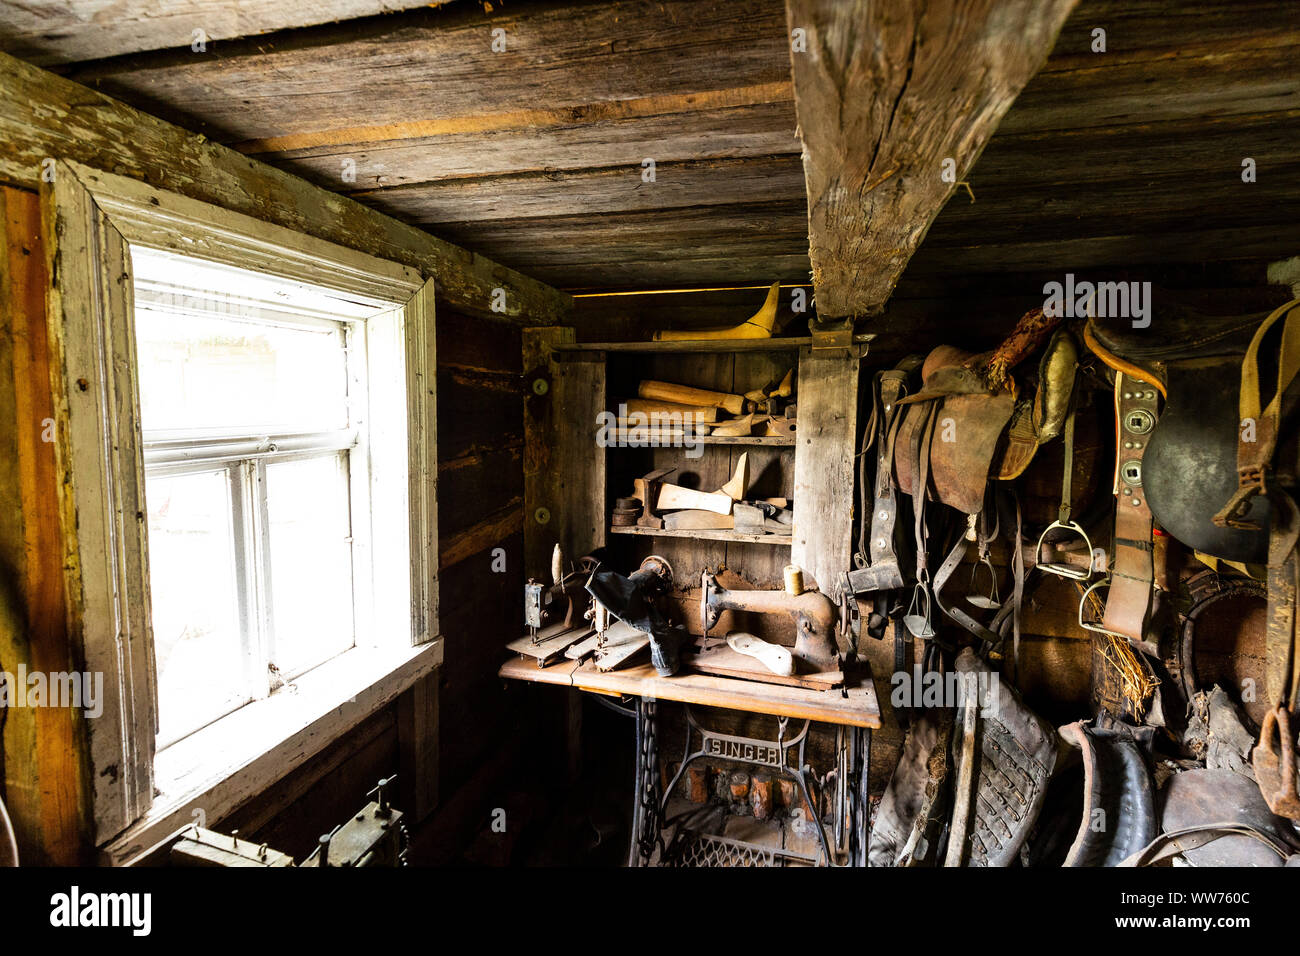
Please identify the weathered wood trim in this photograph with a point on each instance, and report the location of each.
(885, 92)
(45, 117)
(46, 783)
(823, 464)
(101, 494)
(63, 33)
(317, 720)
(159, 219)
(422, 461)
(102, 498)
(564, 469)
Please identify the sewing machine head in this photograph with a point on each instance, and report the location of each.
(814, 615)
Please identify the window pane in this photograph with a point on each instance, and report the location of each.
(233, 375)
(195, 602)
(311, 561)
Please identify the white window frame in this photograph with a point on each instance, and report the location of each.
(92, 218)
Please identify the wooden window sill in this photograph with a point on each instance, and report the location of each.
(226, 763)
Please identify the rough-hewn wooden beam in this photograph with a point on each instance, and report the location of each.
(66, 32)
(43, 116)
(886, 91)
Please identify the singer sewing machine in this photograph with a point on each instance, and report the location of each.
(556, 615)
(814, 657)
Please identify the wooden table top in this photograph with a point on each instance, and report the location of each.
(852, 706)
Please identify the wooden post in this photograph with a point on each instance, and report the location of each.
(564, 472)
(43, 753)
(823, 465)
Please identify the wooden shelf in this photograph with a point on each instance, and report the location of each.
(702, 345)
(855, 705)
(781, 540)
(721, 440)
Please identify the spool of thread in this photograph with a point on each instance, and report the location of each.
(793, 579)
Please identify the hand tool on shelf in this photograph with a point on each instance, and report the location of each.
(689, 395)
(757, 326)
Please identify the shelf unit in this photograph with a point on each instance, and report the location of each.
(570, 483)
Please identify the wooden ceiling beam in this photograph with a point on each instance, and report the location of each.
(60, 33)
(885, 92)
(45, 116)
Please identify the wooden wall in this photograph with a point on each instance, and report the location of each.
(44, 781)
(479, 423)
(481, 486)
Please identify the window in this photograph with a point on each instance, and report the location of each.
(250, 467)
(253, 419)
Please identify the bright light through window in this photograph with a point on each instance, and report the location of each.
(249, 432)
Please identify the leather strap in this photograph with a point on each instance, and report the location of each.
(1254, 457)
(957, 614)
(921, 492)
(1067, 477)
(1255, 446)
(877, 572)
(1173, 842)
(1281, 653)
(885, 507)
(1128, 602)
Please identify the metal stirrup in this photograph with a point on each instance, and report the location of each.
(1096, 625)
(1063, 520)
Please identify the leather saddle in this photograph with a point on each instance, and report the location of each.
(1189, 468)
(955, 426)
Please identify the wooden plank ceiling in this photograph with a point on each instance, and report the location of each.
(533, 156)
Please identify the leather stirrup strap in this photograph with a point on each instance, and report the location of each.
(1255, 445)
(950, 563)
(921, 491)
(885, 506)
(1128, 603)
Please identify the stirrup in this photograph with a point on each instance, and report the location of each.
(991, 600)
(1060, 569)
(1095, 626)
(917, 619)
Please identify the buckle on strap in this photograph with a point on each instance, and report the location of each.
(1250, 483)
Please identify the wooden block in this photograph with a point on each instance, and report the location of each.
(674, 497)
(719, 659)
(735, 428)
(774, 657)
(685, 394)
(697, 520)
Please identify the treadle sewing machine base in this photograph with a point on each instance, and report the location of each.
(668, 831)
